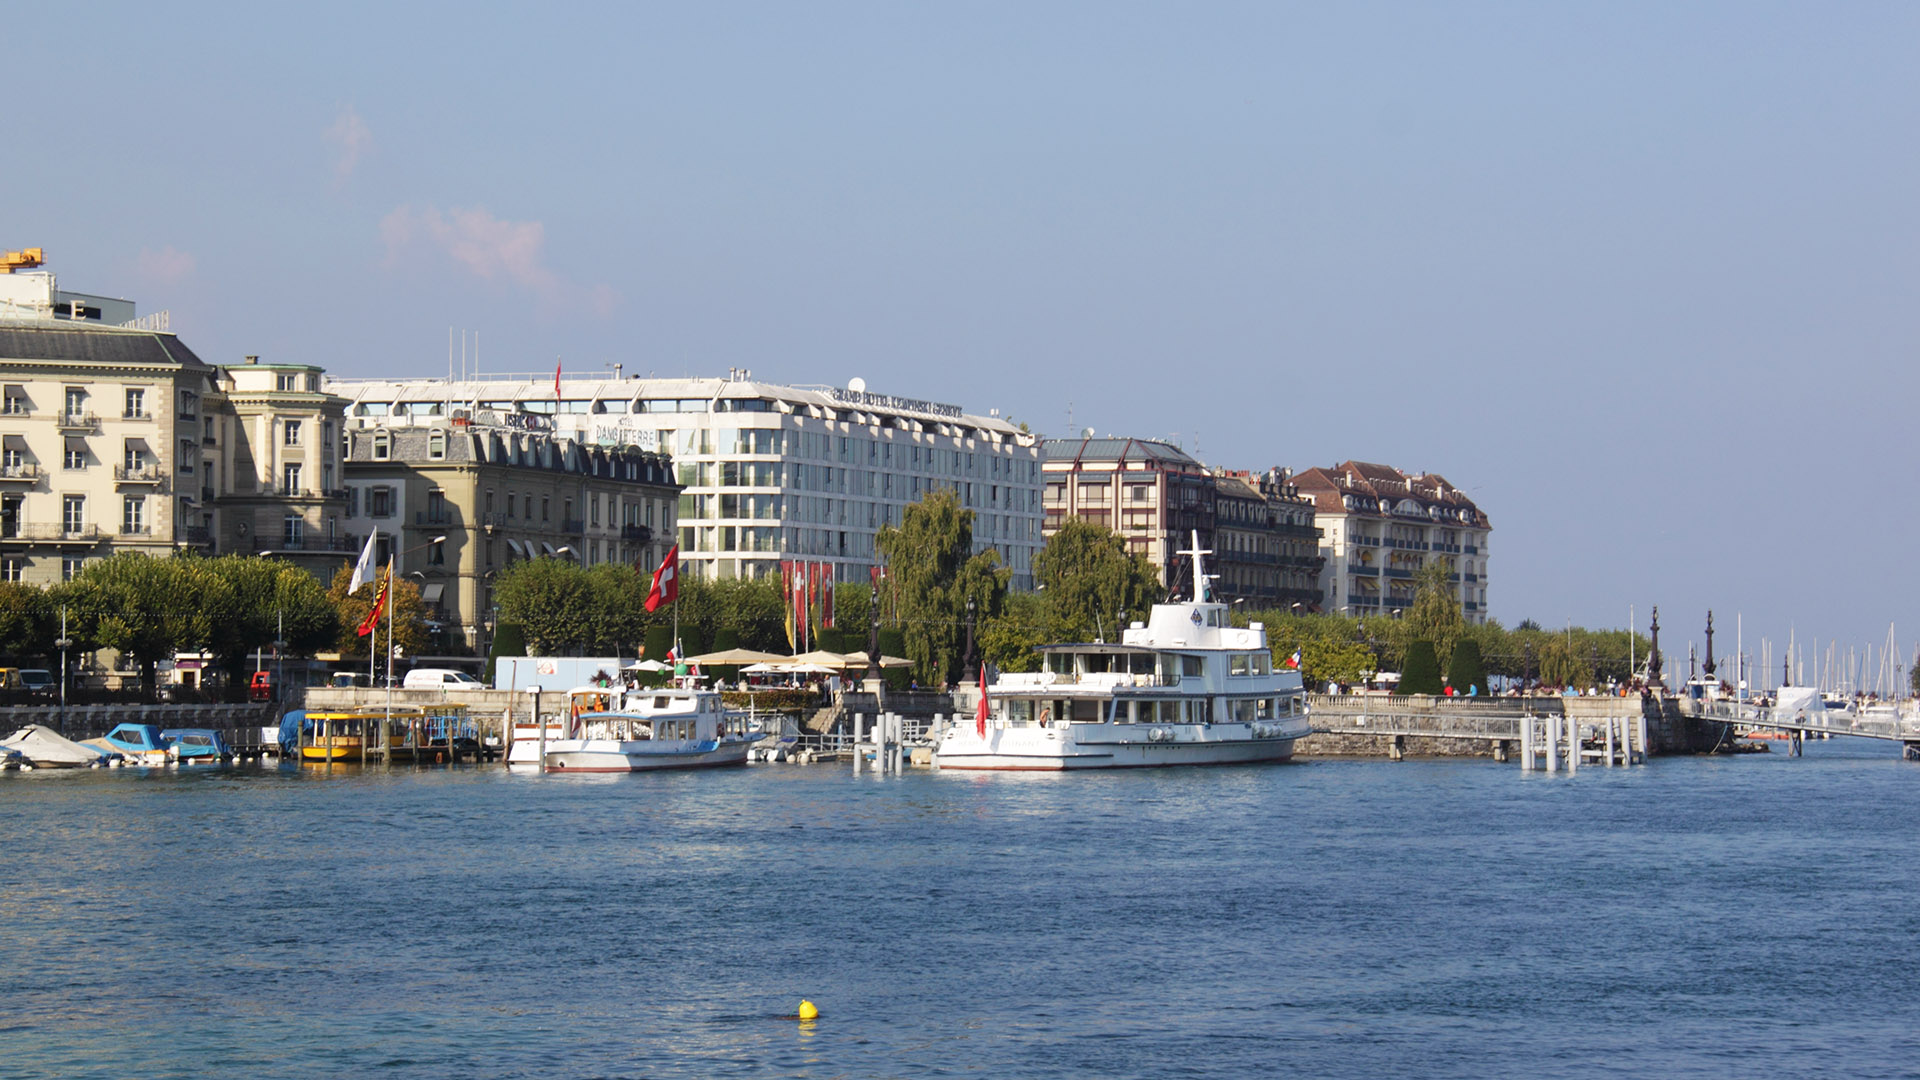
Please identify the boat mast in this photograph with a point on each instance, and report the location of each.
(1200, 589)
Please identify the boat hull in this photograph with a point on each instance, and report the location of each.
(613, 756)
(1103, 746)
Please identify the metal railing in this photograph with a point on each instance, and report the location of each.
(139, 474)
(78, 422)
(26, 470)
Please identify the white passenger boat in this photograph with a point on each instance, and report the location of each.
(607, 729)
(1187, 688)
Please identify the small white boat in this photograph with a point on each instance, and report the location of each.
(607, 729)
(45, 748)
(1187, 688)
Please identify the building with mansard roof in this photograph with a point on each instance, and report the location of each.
(1382, 525)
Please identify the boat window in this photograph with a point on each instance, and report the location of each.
(1096, 663)
(1262, 663)
(1243, 711)
(1019, 713)
(1240, 664)
(1190, 666)
(1060, 663)
(1169, 712)
(1142, 663)
(1264, 709)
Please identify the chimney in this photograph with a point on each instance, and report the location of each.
(253, 359)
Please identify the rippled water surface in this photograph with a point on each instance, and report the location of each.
(1696, 917)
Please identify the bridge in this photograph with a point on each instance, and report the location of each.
(1874, 722)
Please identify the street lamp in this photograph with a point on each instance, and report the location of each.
(873, 634)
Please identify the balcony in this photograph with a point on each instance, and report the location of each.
(136, 530)
(26, 471)
(142, 415)
(206, 494)
(436, 517)
(336, 493)
(1364, 571)
(315, 543)
(573, 527)
(196, 534)
(79, 534)
(491, 521)
(139, 474)
(84, 423)
(1473, 549)
(639, 534)
(1473, 577)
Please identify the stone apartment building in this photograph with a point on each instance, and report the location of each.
(498, 491)
(1383, 525)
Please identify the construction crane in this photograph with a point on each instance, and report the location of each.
(22, 260)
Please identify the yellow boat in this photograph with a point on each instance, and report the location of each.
(436, 733)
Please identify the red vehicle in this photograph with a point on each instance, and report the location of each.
(261, 689)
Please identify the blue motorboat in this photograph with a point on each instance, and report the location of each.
(198, 744)
(140, 744)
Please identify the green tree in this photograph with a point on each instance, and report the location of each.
(930, 561)
(1009, 639)
(1091, 583)
(507, 641)
(553, 603)
(1561, 664)
(28, 623)
(148, 608)
(1435, 615)
(1421, 675)
(1464, 670)
(268, 600)
(408, 618)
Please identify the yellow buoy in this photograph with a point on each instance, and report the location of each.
(807, 1010)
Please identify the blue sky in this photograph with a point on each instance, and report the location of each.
(1641, 278)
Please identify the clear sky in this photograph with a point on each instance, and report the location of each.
(1640, 278)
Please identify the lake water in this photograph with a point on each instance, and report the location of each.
(1710, 917)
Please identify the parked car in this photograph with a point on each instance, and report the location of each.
(39, 682)
(436, 678)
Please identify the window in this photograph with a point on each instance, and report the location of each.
(15, 402)
(135, 456)
(290, 479)
(437, 554)
(12, 458)
(12, 568)
(382, 446)
(326, 434)
(10, 515)
(292, 432)
(74, 513)
(76, 454)
(436, 508)
(294, 531)
(76, 401)
(70, 568)
(436, 445)
(380, 502)
(546, 505)
(286, 381)
(353, 502)
(133, 517)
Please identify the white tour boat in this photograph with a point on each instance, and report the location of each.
(607, 729)
(1187, 688)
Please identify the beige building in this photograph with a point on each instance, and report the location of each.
(1266, 545)
(118, 437)
(1382, 525)
(273, 468)
(1152, 493)
(498, 492)
(100, 443)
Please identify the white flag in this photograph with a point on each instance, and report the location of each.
(363, 570)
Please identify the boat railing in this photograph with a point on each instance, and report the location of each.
(1020, 680)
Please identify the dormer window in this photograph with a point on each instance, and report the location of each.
(382, 446)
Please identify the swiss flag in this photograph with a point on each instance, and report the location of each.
(666, 580)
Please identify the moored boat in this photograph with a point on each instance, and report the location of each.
(1185, 688)
(139, 744)
(198, 744)
(607, 729)
(44, 748)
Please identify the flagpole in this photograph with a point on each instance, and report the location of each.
(391, 597)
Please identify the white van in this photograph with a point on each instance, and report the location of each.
(434, 678)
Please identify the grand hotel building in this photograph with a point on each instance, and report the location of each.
(768, 472)
(1382, 525)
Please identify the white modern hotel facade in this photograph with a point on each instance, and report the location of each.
(770, 472)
